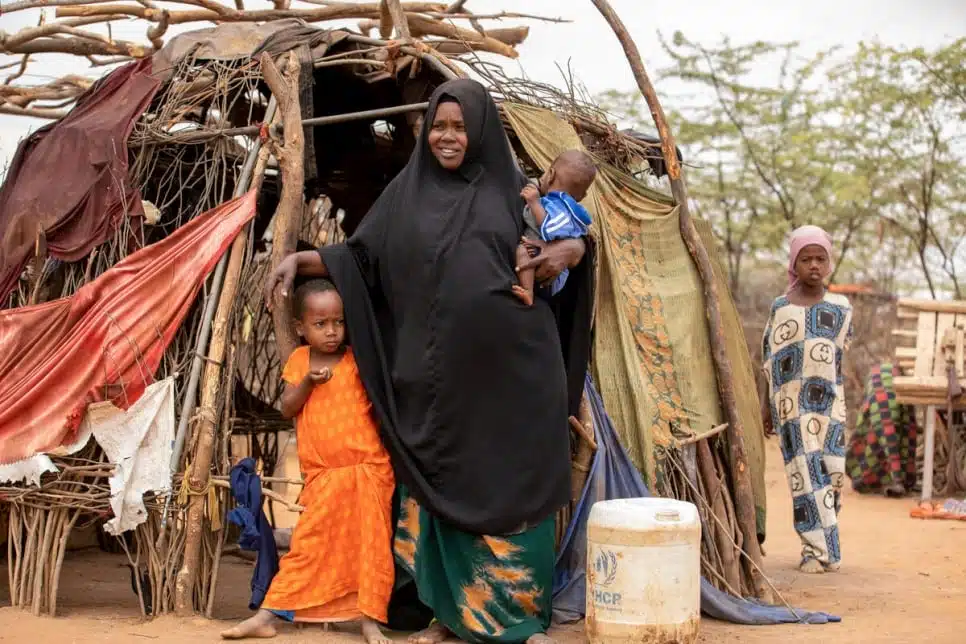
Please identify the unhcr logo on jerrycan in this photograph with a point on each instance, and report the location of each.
(604, 573)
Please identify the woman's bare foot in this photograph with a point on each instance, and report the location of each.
(541, 638)
(258, 625)
(833, 567)
(812, 566)
(372, 633)
(433, 635)
(523, 294)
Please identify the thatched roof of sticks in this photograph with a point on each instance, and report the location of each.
(441, 29)
(385, 37)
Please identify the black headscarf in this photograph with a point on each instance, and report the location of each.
(470, 387)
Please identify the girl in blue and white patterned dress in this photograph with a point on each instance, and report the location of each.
(807, 334)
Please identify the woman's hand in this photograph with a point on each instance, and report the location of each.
(283, 274)
(307, 263)
(554, 257)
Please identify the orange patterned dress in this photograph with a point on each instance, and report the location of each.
(340, 566)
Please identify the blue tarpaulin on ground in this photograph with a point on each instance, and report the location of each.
(613, 476)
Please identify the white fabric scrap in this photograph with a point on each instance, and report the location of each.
(139, 443)
(28, 470)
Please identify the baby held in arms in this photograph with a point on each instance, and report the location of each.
(553, 212)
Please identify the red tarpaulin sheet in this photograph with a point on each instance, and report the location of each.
(60, 356)
(69, 179)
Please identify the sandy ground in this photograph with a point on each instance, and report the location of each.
(902, 580)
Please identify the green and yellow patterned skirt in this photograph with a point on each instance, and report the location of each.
(484, 589)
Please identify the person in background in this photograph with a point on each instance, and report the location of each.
(805, 339)
(340, 565)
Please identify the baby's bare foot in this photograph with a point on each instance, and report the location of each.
(433, 635)
(258, 626)
(523, 294)
(372, 633)
(812, 567)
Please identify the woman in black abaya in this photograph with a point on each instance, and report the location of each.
(472, 389)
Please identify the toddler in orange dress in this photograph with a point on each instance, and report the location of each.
(340, 564)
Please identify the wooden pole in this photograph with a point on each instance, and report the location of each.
(205, 422)
(288, 215)
(929, 454)
(744, 499)
(205, 425)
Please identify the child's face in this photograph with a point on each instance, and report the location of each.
(322, 324)
(812, 265)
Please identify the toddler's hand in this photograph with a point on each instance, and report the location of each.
(530, 193)
(319, 377)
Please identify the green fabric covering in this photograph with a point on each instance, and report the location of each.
(484, 589)
(652, 351)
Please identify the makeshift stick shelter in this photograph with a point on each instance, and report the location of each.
(208, 122)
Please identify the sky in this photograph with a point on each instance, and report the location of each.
(588, 46)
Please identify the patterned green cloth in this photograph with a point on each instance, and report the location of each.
(882, 450)
(484, 589)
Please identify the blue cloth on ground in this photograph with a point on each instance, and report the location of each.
(613, 476)
(566, 219)
(256, 531)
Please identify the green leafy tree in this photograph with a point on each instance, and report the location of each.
(865, 143)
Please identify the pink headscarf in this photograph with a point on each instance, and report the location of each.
(799, 239)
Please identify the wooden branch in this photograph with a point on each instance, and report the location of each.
(36, 4)
(337, 12)
(266, 492)
(78, 47)
(422, 26)
(743, 497)
(62, 27)
(713, 486)
(503, 15)
(157, 30)
(385, 20)
(398, 17)
(711, 434)
(288, 214)
(35, 112)
(512, 36)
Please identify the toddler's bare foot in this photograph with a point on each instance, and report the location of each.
(523, 294)
(833, 567)
(433, 635)
(258, 625)
(372, 633)
(812, 567)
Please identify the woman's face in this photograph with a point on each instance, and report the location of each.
(447, 135)
(812, 265)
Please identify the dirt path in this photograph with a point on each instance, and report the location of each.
(903, 581)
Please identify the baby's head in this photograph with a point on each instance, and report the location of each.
(317, 308)
(572, 172)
